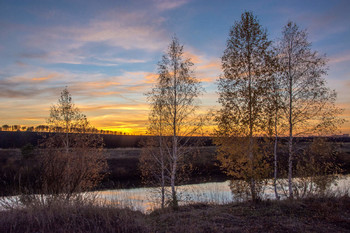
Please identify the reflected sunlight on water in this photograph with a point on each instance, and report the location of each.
(147, 199)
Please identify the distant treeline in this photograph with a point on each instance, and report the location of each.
(47, 128)
(18, 139)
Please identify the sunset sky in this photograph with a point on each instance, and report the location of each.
(106, 52)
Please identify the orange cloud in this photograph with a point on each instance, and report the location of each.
(40, 79)
(151, 78)
(211, 65)
(194, 58)
(115, 107)
(208, 79)
(99, 85)
(207, 69)
(104, 93)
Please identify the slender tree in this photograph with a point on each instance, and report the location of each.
(275, 122)
(173, 117)
(310, 105)
(246, 65)
(72, 159)
(154, 165)
(66, 116)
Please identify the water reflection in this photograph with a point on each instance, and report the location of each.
(147, 199)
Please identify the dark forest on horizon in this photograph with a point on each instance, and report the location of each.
(18, 139)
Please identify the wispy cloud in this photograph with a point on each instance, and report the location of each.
(27, 85)
(121, 31)
(119, 106)
(340, 58)
(169, 4)
(207, 68)
(93, 41)
(42, 79)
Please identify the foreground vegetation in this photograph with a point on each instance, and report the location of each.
(327, 214)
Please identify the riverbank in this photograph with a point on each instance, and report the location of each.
(18, 172)
(306, 215)
(123, 172)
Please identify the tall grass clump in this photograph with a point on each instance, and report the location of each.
(71, 217)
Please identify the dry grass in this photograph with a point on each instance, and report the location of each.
(71, 218)
(307, 215)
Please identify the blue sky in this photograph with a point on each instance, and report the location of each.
(106, 52)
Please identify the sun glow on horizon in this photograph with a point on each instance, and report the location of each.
(107, 56)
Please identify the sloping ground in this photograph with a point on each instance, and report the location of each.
(311, 215)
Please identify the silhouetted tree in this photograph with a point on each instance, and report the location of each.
(310, 104)
(243, 87)
(173, 116)
(16, 127)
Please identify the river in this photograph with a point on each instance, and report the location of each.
(147, 199)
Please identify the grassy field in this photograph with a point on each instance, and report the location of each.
(308, 215)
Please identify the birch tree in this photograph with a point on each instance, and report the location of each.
(72, 159)
(310, 104)
(154, 164)
(174, 101)
(275, 121)
(65, 116)
(246, 65)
